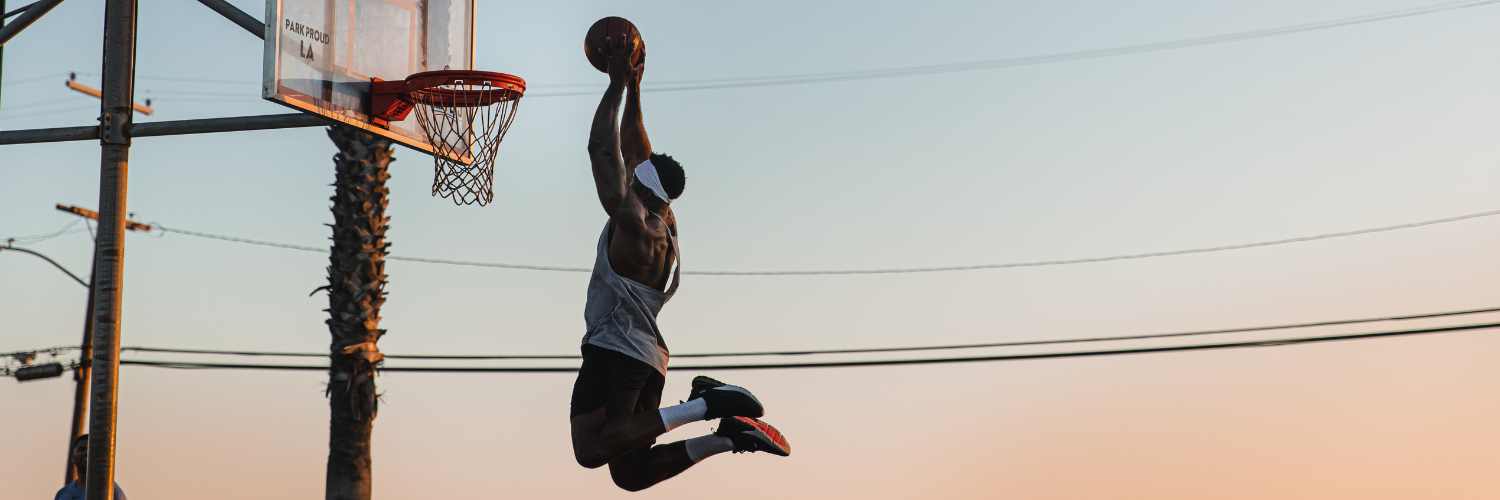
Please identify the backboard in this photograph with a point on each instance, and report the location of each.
(321, 55)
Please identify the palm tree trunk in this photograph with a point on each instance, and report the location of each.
(356, 282)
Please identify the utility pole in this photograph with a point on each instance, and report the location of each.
(115, 116)
(81, 374)
(86, 349)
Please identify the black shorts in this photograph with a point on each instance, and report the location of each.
(620, 384)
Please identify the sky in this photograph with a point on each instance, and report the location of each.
(1311, 133)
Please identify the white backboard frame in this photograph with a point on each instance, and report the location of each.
(341, 44)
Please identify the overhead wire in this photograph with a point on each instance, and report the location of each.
(64, 233)
(36, 78)
(46, 113)
(36, 238)
(743, 82)
(864, 363)
(48, 259)
(186, 80)
(1092, 339)
(1094, 259)
(153, 93)
(1405, 317)
(44, 103)
(1242, 246)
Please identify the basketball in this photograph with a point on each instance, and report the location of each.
(594, 44)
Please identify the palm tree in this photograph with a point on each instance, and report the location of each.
(356, 282)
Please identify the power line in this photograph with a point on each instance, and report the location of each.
(187, 80)
(1095, 259)
(60, 349)
(44, 103)
(37, 238)
(166, 229)
(37, 78)
(852, 364)
(153, 93)
(859, 351)
(871, 271)
(49, 260)
(46, 113)
(1093, 339)
(726, 83)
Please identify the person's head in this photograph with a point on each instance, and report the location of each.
(672, 179)
(79, 453)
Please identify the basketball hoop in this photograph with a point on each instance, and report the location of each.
(464, 114)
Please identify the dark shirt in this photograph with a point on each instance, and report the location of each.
(72, 491)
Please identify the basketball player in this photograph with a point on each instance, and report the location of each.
(615, 416)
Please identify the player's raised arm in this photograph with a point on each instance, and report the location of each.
(611, 178)
(634, 145)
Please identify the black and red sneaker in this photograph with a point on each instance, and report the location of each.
(725, 400)
(750, 434)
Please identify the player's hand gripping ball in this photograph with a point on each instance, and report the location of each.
(613, 28)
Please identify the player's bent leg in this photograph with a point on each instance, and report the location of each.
(599, 439)
(613, 406)
(647, 466)
(616, 419)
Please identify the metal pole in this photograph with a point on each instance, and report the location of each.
(170, 127)
(234, 14)
(33, 12)
(81, 375)
(114, 126)
(2, 53)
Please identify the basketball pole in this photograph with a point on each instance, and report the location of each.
(115, 114)
(3, 17)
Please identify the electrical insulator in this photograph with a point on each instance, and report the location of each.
(38, 372)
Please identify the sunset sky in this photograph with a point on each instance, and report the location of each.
(1326, 131)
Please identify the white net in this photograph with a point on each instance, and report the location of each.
(465, 124)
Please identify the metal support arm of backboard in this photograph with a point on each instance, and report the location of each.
(232, 13)
(33, 12)
(174, 127)
(9, 14)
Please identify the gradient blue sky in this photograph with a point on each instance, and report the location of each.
(1327, 131)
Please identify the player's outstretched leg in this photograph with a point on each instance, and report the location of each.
(739, 435)
(750, 434)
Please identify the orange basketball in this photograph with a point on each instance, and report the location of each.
(594, 43)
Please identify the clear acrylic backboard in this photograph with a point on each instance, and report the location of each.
(321, 55)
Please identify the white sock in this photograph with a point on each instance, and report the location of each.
(702, 447)
(686, 413)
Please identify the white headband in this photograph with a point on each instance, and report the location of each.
(646, 172)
